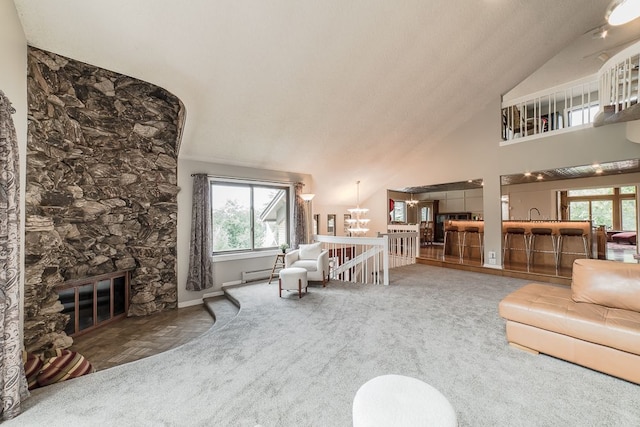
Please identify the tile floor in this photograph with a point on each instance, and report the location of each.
(134, 338)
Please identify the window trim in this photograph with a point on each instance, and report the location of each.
(238, 254)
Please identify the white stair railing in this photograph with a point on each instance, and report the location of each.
(404, 244)
(357, 259)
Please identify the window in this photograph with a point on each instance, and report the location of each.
(579, 211)
(248, 217)
(629, 215)
(628, 190)
(399, 213)
(583, 115)
(613, 207)
(425, 214)
(590, 192)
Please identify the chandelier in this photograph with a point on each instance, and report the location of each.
(412, 202)
(357, 223)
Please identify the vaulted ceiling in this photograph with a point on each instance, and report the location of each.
(309, 86)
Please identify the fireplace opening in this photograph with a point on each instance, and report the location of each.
(94, 301)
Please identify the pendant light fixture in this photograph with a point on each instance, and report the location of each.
(357, 223)
(620, 12)
(412, 202)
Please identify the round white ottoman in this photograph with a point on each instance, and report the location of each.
(293, 278)
(396, 400)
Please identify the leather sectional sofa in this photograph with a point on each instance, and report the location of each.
(594, 323)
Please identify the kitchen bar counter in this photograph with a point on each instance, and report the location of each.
(555, 226)
(541, 254)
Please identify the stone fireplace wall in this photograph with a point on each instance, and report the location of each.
(101, 188)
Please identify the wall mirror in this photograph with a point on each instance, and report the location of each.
(605, 195)
(431, 206)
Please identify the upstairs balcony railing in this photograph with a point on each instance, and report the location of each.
(551, 111)
(577, 104)
(618, 79)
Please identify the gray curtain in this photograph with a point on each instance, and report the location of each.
(13, 383)
(200, 266)
(299, 220)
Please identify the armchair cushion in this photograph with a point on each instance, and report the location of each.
(307, 264)
(311, 251)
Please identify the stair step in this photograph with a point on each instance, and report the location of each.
(222, 309)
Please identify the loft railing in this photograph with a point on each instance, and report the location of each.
(357, 259)
(618, 79)
(551, 111)
(614, 89)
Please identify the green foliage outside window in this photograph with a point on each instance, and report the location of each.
(246, 217)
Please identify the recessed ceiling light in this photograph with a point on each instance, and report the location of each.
(595, 165)
(598, 170)
(540, 177)
(527, 174)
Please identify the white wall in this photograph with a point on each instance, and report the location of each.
(13, 82)
(224, 271)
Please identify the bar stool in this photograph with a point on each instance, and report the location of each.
(476, 231)
(543, 232)
(507, 245)
(572, 232)
(448, 230)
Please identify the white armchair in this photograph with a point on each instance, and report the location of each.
(313, 259)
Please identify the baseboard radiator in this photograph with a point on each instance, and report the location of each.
(250, 276)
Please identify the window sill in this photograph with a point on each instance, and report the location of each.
(245, 255)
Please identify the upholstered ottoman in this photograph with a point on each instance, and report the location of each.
(293, 278)
(396, 400)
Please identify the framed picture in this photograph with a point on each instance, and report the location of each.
(347, 217)
(316, 224)
(331, 224)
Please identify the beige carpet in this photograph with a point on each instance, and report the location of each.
(299, 362)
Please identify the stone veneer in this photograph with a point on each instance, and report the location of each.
(101, 189)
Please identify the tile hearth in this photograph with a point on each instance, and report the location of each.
(135, 338)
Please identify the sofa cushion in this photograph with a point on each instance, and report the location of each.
(551, 308)
(311, 251)
(307, 264)
(609, 283)
(628, 237)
